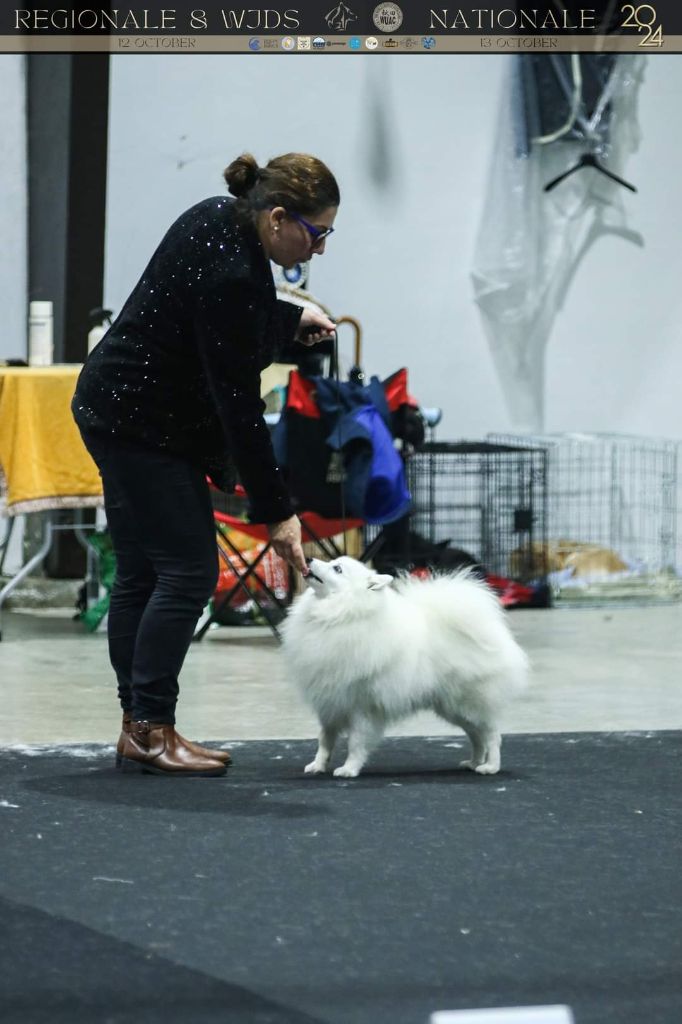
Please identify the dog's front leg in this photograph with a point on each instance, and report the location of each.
(363, 736)
(325, 748)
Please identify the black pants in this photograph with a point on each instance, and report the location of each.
(163, 534)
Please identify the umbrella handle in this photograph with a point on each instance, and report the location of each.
(355, 324)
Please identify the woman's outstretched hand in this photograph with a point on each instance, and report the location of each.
(286, 540)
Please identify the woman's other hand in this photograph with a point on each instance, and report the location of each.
(314, 327)
(286, 540)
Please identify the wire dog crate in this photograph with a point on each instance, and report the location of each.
(488, 499)
(612, 506)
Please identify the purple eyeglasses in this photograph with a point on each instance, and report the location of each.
(317, 234)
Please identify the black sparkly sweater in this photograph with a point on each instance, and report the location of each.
(179, 369)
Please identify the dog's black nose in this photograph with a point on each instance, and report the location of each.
(308, 561)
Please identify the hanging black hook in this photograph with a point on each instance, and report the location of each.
(588, 160)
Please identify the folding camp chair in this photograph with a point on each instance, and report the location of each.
(315, 529)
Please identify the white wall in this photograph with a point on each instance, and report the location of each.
(401, 258)
(615, 359)
(13, 192)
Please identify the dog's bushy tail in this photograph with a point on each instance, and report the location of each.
(463, 604)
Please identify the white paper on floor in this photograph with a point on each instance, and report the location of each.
(506, 1015)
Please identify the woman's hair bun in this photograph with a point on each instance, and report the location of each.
(241, 175)
(295, 181)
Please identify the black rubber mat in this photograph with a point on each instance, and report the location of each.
(267, 897)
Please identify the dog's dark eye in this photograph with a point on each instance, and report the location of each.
(337, 568)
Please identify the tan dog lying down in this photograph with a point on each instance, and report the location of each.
(554, 555)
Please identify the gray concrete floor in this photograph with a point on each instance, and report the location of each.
(593, 669)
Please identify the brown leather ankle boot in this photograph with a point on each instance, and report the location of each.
(223, 756)
(154, 747)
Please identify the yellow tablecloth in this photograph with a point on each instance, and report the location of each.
(43, 462)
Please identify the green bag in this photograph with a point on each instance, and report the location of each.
(106, 562)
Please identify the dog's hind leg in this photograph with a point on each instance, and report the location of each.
(364, 735)
(485, 744)
(485, 748)
(325, 748)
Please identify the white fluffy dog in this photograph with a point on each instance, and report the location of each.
(368, 650)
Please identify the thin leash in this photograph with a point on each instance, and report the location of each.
(342, 472)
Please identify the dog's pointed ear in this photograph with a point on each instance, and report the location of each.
(378, 581)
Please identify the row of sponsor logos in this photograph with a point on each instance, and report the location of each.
(353, 43)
